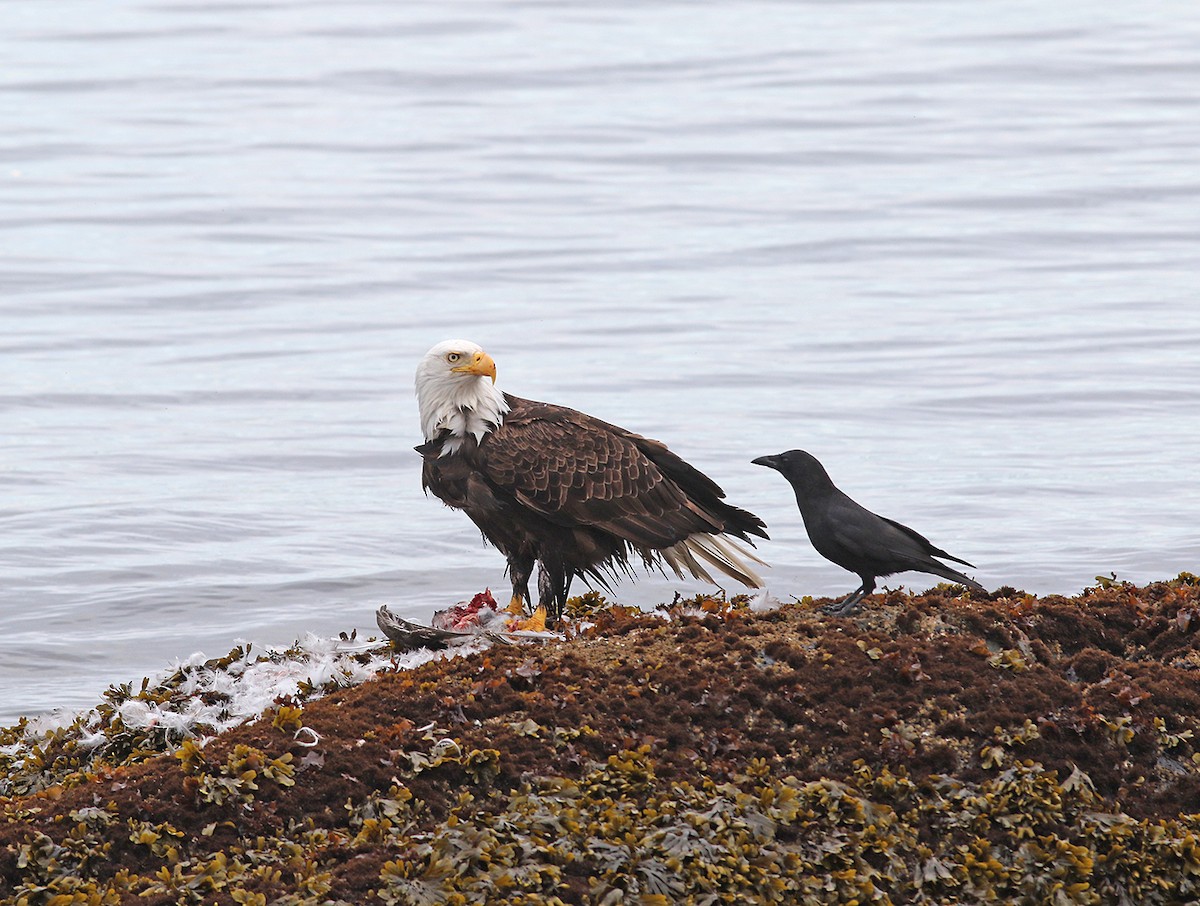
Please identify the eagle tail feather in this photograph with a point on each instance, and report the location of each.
(679, 557)
(716, 550)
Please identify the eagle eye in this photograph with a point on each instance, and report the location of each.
(453, 356)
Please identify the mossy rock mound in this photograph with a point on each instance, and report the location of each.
(934, 749)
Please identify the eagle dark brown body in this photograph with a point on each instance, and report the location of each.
(554, 486)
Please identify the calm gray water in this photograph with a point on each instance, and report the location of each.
(953, 250)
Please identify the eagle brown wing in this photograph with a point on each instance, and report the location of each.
(577, 470)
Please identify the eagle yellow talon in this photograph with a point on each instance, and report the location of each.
(536, 623)
(516, 605)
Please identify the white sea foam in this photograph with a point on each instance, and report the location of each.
(248, 686)
(202, 697)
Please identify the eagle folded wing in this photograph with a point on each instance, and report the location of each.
(577, 471)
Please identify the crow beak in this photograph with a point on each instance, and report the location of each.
(481, 364)
(771, 462)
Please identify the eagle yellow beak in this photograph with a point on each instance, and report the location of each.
(481, 364)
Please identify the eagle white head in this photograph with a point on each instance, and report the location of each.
(457, 392)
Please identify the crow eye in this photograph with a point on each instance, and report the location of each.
(453, 357)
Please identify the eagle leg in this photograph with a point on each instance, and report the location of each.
(519, 571)
(849, 604)
(554, 583)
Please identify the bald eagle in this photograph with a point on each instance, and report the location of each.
(549, 485)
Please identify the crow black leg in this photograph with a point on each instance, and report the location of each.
(849, 604)
(519, 571)
(554, 583)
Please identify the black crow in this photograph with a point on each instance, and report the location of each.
(852, 536)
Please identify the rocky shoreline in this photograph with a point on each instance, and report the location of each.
(933, 749)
